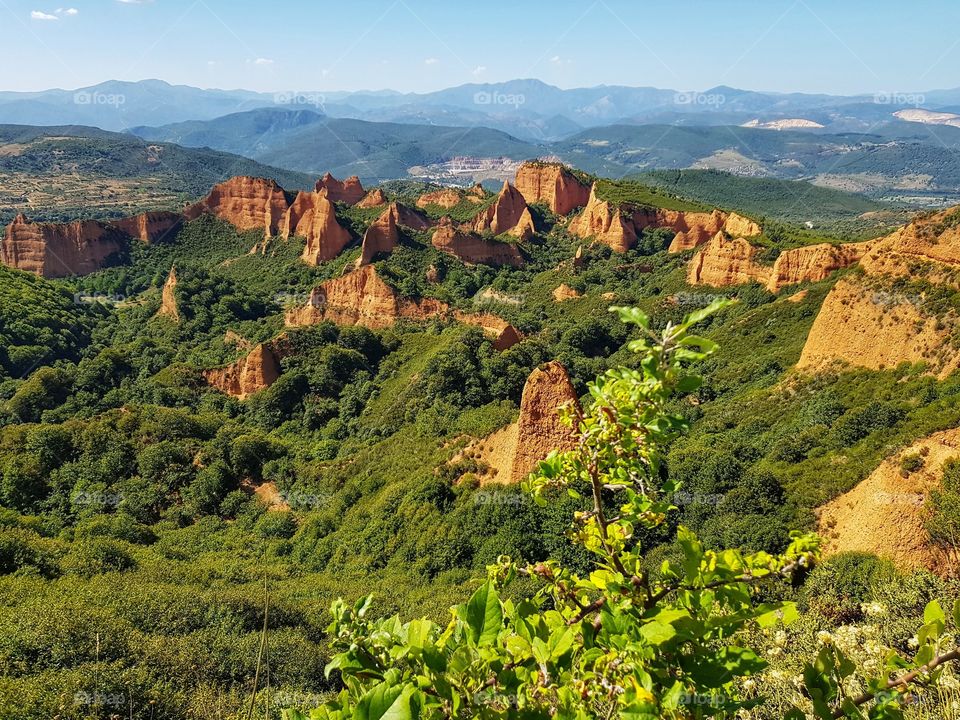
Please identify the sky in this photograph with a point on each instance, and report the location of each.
(832, 46)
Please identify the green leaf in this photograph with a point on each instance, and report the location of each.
(657, 633)
(484, 615)
(387, 702)
(933, 613)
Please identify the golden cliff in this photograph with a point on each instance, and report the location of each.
(312, 217)
(348, 191)
(552, 184)
(54, 250)
(247, 203)
(253, 373)
(508, 214)
(473, 249)
(604, 223)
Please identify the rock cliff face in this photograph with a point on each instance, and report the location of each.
(507, 214)
(56, 250)
(604, 223)
(473, 249)
(256, 372)
(539, 428)
(724, 261)
(553, 184)
(450, 197)
(168, 297)
(384, 233)
(149, 227)
(694, 228)
(247, 203)
(349, 191)
(361, 298)
(374, 198)
(502, 334)
(813, 263)
(871, 322)
(885, 514)
(312, 216)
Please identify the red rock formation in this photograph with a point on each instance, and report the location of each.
(539, 428)
(168, 297)
(350, 191)
(604, 223)
(383, 234)
(247, 203)
(502, 334)
(694, 228)
(724, 261)
(552, 184)
(473, 249)
(813, 263)
(58, 250)
(256, 372)
(361, 298)
(312, 216)
(374, 198)
(149, 227)
(508, 214)
(446, 198)
(564, 292)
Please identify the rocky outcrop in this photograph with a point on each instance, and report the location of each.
(374, 198)
(56, 250)
(247, 203)
(473, 249)
(540, 430)
(149, 227)
(724, 261)
(312, 216)
(813, 263)
(445, 198)
(604, 223)
(869, 321)
(348, 191)
(564, 292)
(553, 184)
(168, 297)
(502, 334)
(383, 234)
(886, 513)
(253, 373)
(508, 214)
(694, 228)
(361, 297)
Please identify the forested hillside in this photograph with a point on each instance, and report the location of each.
(295, 397)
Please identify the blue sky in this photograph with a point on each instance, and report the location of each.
(837, 46)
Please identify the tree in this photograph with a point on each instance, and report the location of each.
(626, 640)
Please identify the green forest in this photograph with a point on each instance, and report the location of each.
(142, 576)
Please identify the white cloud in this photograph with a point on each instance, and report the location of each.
(37, 15)
(263, 61)
(68, 11)
(479, 70)
(557, 60)
(430, 61)
(134, 2)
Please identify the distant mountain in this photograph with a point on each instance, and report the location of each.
(528, 109)
(69, 172)
(309, 142)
